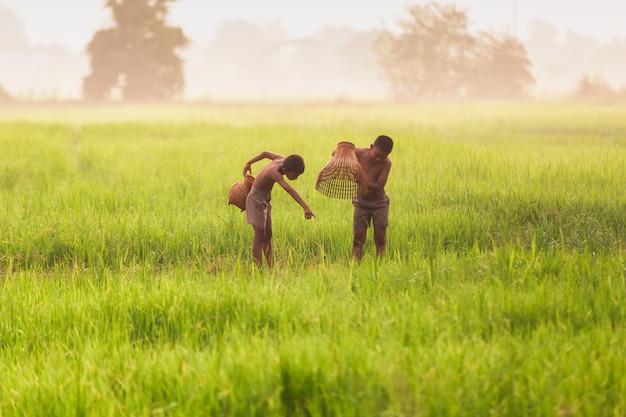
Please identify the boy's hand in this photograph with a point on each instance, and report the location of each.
(308, 213)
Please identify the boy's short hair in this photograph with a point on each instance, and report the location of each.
(384, 143)
(293, 163)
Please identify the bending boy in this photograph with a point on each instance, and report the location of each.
(373, 207)
(258, 207)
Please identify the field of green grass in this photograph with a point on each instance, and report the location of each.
(127, 285)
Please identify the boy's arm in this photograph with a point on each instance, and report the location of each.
(379, 184)
(265, 154)
(294, 194)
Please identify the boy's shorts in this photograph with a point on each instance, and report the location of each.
(258, 208)
(371, 211)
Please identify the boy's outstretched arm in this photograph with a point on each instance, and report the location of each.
(294, 194)
(265, 154)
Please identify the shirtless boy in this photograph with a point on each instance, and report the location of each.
(373, 207)
(258, 207)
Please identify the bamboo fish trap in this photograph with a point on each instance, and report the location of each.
(343, 176)
(239, 191)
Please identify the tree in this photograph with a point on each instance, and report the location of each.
(593, 90)
(502, 68)
(433, 55)
(5, 97)
(429, 56)
(136, 59)
(12, 34)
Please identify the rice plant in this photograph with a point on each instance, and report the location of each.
(127, 285)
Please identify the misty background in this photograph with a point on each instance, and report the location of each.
(262, 60)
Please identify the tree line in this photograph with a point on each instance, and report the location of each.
(429, 54)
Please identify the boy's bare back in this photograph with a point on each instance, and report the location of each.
(269, 175)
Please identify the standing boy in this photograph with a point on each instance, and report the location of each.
(258, 207)
(373, 207)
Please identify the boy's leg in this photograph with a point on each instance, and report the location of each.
(258, 212)
(380, 221)
(360, 234)
(360, 223)
(267, 244)
(257, 244)
(380, 239)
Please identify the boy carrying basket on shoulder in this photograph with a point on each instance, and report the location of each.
(258, 206)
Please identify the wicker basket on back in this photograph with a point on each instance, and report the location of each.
(239, 191)
(343, 176)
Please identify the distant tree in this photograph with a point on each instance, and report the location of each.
(136, 59)
(433, 55)
(12, 34)
(593, 90)
(502, 68)
(5, 97)
(429, 56)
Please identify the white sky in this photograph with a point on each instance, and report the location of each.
(71, 23)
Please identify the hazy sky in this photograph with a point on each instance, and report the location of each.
(71, 23)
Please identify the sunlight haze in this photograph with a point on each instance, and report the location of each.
(70, 24)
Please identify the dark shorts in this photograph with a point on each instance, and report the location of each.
(258, 208)
(368, 212)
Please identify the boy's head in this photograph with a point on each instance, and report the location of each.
(384, 143)
(292, 166)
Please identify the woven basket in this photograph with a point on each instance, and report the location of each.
(343, 176)
(239, 191)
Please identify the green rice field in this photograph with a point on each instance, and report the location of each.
(128, 287)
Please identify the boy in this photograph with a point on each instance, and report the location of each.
(258, 207)
(373, 207)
